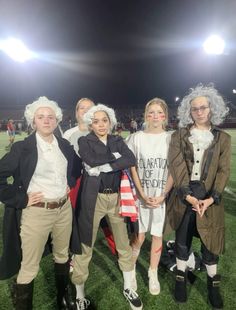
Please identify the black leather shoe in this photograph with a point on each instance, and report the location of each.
(214, 296)
(180, 286)
(65, 302)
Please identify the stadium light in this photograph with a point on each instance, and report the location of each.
(214, 45)
(176, 99)
(234, 91)
(16, 49)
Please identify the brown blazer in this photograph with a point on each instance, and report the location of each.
(181, 159)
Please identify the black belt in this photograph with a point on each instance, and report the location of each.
(107, 191)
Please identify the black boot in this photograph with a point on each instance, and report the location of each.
(24, 296)
(64, 301)
(180, 286)
(213, 286)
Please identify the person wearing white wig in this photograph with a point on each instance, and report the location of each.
(43, 169)
(72, 135)
(89, 116)
(104, 156)
(199, 162)
(42, 102)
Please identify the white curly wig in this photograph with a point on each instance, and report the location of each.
(42, 102)
(88, 116)
(218, 106)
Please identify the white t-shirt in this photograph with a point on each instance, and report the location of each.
(72, 135)
(151, 152)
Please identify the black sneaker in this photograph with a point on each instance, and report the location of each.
(133, 299)
(82, 303)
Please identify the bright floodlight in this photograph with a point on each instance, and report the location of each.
(16, 49)
(234, 91)
(176, 99)
(214, 45)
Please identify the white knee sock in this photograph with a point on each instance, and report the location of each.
(80, 291)
(181, 264)
(127, 275)
(211, 270)
(191, 261)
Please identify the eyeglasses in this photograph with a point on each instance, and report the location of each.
(200, 109)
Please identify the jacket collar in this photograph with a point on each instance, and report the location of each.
(214, 129)
(31, 143)
(92, 137)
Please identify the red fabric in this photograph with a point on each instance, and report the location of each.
(128, 197)
(74, 193)
(110, 240)
(10, 126)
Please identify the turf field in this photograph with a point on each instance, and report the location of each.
(104, 286)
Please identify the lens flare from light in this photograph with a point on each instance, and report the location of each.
(214, 45)
(16, 50)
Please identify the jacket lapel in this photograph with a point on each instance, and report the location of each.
(29, 158)
(216, 134)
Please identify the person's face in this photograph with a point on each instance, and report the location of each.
(45, 121)
(82, 108)
(155, 115)
(200, 111)
(101, 124)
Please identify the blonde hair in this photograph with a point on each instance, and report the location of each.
(80, 101)
(162, 104)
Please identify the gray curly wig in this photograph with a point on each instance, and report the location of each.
(42, 102)
(88, 116)
(218, 106)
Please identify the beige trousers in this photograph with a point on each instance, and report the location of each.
(105, 205)
(36, 225)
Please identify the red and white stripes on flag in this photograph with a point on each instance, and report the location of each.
(128, 197)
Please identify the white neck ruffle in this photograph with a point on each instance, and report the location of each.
(201, 138)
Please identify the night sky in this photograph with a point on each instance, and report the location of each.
(121, 53)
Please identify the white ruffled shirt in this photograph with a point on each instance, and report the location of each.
(50, 175)
(201, 140)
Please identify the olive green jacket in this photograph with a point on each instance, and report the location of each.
(181, 160)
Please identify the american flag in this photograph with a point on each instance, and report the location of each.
(128, 197)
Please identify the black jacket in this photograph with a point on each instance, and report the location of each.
(20, 164)
(95, 153)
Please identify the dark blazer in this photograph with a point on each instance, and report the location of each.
(20, 163)
(95, 153)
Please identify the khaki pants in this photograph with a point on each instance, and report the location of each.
(105, 205)
(36, 225)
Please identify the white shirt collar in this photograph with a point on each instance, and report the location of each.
(45, 146)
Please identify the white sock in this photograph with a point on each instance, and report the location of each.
(80, 291)
(127, 275)
(191, 261)
(181, 264)
(152, 270)
(211, 270)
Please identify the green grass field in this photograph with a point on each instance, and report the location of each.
(104, 286)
